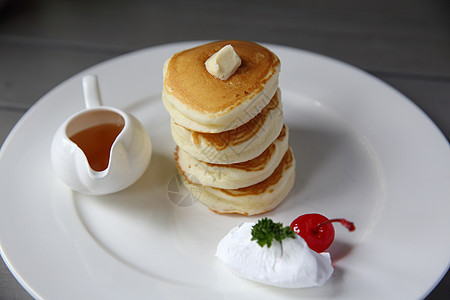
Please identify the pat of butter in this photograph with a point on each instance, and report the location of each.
(223, 63)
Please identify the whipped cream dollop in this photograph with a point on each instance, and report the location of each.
(223, 63)
(289, 264)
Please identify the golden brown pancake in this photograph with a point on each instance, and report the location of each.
(255, 199)
(236, 145)
(237, 175)
(199, 101)
(240, 134)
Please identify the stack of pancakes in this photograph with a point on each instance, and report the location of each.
(232, 143)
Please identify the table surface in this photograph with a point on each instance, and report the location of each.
(405, 43)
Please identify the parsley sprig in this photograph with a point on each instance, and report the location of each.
(265, 231)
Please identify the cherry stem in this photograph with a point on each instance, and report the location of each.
(347, 224)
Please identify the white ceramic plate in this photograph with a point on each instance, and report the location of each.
(363, 151)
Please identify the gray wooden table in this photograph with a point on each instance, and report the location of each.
(405, 43)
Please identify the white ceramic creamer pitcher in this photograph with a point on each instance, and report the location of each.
(100, 150)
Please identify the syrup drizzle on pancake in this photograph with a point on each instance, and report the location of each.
(238, 135)
(256, 189)
(258, 163)
(266, 185)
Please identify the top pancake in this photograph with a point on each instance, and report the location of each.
(200, 102)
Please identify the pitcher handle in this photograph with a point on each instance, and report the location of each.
(91, 91)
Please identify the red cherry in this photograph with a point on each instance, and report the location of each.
(318, 230)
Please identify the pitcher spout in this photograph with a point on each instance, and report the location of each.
(117, 168)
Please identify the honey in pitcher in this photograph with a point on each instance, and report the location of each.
(96, 143)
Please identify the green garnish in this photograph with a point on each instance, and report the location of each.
(266, 230)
